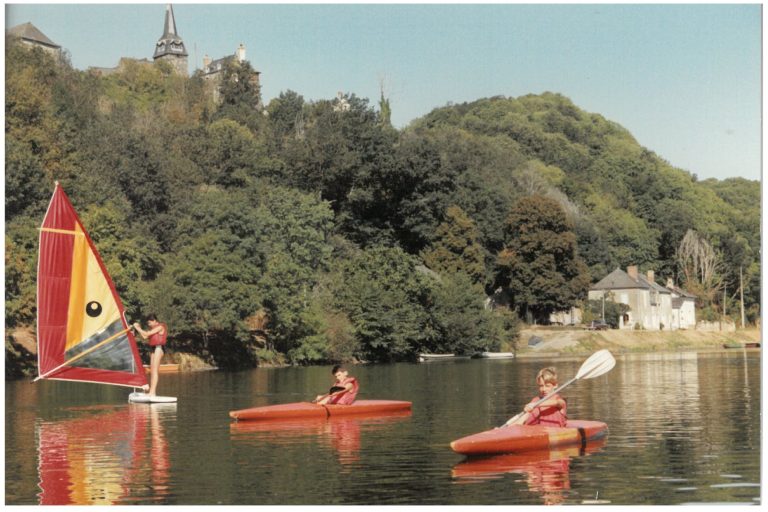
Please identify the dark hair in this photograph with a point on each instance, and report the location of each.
(152, 316)
(336, 369)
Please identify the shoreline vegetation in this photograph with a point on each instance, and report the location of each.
(310, 232)
(555, 342)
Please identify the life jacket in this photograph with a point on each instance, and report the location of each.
(549, 416)
(348, 397)
(159, 338)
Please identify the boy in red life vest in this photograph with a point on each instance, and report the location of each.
(157, 335)
(344, 390)
(551, 412)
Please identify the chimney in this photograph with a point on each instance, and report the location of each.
(650, 276)
(240, 53)
(206, 62)
(632, 271)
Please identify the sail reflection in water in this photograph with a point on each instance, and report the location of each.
(343, 434)
(547, 472)
(106, 456)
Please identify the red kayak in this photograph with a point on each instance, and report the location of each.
(523, 438)
(310, 410)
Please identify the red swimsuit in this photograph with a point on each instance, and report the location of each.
(347, 397)
(549, 416)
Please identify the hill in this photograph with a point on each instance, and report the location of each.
(314, 231)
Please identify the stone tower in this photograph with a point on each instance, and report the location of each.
(170, 47)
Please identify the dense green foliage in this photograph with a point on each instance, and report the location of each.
(307, 232)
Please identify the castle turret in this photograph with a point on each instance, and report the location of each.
(170, 47)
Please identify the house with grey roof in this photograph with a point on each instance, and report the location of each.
(651, 305)
(213, 71)
(30, 35)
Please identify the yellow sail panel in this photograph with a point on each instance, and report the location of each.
(92, 307)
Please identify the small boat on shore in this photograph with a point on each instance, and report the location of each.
(741, 345)
(524, 438)
(164, 368)
(495, 355)
(425, 358)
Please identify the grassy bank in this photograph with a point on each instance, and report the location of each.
(564, 340)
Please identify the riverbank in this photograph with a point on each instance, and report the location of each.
(568, 340)
(553, 342)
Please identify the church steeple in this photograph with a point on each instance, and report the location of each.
(170, 47)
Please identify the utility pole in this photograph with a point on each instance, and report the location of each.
(603, 306)
(741, 293)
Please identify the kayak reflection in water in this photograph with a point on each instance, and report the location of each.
(343, 391)
(551, 412)
(546, 472)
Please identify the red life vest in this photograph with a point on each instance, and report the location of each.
(549, 416)
(347, 397)
(158, 339)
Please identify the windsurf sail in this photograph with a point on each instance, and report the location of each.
(82, 333)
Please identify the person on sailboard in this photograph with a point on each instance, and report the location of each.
(343, 391)
(157, 336)
(551, 412)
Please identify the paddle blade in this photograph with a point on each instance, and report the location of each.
(599, 363)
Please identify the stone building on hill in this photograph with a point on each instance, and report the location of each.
(213, 71)
(30, 35)
(170, 47)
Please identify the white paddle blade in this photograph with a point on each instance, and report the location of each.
(599, 363)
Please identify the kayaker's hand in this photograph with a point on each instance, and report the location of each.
(528, 408)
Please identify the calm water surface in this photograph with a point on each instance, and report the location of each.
(683, 428)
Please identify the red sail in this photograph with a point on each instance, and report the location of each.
(82, 333)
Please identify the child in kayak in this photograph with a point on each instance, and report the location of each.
(344, 390)
(551, 412)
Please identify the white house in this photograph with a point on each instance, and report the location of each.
(651, 306)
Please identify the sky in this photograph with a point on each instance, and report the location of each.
(684, 79)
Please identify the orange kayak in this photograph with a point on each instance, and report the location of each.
(310, 410)
(523, 438)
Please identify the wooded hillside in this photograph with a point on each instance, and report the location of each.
(309, 233)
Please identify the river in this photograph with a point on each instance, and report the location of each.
(684, 428)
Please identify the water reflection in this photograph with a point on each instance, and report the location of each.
(547, 473)
(342, 434)
(106, 455)
(683, 429)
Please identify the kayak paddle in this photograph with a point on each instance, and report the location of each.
(598, 364)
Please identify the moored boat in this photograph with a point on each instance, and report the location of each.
(495, 355)
(425, 358)
(312, 410)
(164, 368)
(522, 438)
(741, 345)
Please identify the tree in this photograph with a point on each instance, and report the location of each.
(240, 94)
(701, 267)
(456, 248)
(540, 264)
(463, 324)
(386, 299)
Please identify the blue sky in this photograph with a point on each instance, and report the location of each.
(684, 79)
